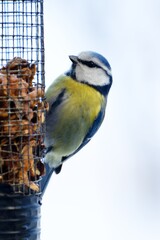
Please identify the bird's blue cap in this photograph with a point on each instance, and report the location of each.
(101, 58)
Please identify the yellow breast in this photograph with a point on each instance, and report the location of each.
(88, 99)
(76, 114)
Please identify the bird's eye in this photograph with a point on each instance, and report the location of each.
(91, 64)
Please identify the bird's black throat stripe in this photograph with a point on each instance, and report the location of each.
(102, 89)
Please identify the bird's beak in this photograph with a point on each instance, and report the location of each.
(73, 58)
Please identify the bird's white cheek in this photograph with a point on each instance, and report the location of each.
(93, 76)
(81, 73)
(101, 78)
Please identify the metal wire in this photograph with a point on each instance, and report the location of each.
(21, 32)
(22, 107)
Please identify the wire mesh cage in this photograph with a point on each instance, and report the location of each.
(21, 93)
(22, 108)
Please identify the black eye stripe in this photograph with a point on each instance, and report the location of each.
(90, 64)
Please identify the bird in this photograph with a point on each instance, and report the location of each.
(77, 102)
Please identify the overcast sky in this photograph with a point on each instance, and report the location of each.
(111, 189)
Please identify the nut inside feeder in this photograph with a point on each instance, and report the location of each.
(21, 118)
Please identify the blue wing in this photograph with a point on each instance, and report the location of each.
(91, 132)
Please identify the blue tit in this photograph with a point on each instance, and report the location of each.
(77, 101)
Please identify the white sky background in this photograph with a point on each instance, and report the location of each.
(111, 189)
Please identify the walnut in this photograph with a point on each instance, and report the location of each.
(21, 117)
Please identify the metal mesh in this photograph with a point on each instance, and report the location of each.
(22, 103)
(21, 31)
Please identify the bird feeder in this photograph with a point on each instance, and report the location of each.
(22, 110)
